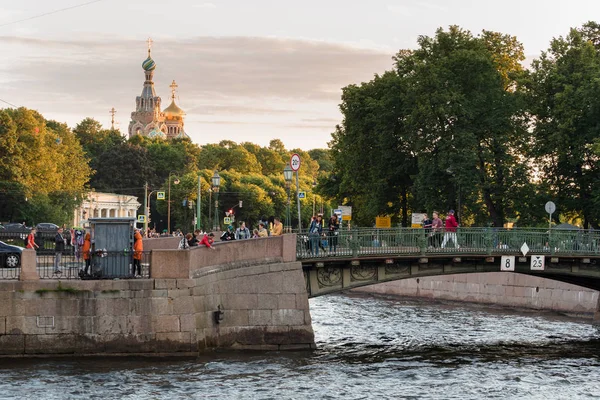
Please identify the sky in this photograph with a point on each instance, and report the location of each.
(247, 70)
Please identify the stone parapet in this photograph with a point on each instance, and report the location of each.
(173, 314)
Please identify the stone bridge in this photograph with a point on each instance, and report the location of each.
(369, 256)
(253, 294)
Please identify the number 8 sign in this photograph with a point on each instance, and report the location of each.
(295, 162)
(507, 263)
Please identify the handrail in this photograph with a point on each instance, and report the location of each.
(417, 241)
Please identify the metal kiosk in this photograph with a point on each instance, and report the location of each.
(112, 247)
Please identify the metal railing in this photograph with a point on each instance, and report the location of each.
(44, 240)
(9, 273)
(412, 241)
(102, 265)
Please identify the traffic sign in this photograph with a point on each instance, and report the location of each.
(537, 263)
(141, 219)
(160, 195)
(383, 222)
(295, 162)
(227, 221)
(301, 195)
(507, 263)
(550, 207)
(346, 212)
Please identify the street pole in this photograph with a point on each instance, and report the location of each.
(169, 208)
(288, 215)
(217, 222)
(146, 208)
(198, 208)
(298, 201)
(210, 219)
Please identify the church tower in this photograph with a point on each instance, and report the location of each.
(174, 117)
(147, 119)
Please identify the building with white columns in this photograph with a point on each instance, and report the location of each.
(105, 205)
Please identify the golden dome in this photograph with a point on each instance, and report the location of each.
(173, 110)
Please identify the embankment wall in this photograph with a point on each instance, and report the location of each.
(499, 288)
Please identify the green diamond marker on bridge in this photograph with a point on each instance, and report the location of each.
(524, 249)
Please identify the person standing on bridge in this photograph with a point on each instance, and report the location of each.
(332, 233)
(427, 224)
(450, 233)
(314, 231)
(436, 225)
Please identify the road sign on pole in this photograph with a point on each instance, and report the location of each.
(302, 195)
(550, 208)
(295, 162)
(160, 195)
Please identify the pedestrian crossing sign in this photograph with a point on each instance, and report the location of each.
(141, 219)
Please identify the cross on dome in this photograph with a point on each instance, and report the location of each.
(149, 41)
(173, 87)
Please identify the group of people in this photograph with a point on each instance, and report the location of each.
(265, 229)
(440, 233)
(323, 236)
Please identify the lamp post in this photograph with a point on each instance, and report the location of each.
(288, 173)
(216, 182)
(176, 182)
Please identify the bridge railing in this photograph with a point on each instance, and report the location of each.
(411, 241)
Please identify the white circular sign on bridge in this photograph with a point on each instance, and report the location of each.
(550, 207)
(295, 162)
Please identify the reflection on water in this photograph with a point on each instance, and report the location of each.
(368, 348)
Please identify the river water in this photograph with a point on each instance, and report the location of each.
(368, 348)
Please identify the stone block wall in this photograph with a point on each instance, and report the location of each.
(500, 288)
(264, 307)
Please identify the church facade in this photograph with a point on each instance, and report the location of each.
(149, 119)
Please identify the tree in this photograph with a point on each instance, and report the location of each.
(564, 87)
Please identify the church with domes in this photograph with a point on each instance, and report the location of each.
(148, 119)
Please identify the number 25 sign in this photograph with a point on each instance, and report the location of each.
(295, 162)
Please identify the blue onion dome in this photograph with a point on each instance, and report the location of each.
(181, 135)
(148, 64)
(156, 133)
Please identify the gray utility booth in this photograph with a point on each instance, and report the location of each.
(112, 247)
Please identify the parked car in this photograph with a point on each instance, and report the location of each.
(15, 227)
(46, 227)
(2, 228)
(10, 256)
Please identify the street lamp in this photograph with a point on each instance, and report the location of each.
(216, 182)
(176, 182)
(288, 173)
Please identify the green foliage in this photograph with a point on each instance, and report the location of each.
(43, 168)
(563, 88)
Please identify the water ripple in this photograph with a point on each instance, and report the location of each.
(369, 348)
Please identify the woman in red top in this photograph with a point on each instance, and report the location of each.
(31, 244)
(208, 240)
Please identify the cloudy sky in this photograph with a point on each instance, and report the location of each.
(248, 70)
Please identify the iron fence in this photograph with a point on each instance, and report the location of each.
(10, 273)
(102, 265)
(44, 240)
(412, 241)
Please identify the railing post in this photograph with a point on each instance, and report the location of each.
(28, 266)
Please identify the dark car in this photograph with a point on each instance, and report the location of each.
(10, 256)
(46, 227)
(15, 227)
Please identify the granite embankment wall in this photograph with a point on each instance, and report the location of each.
(263, 300)
(499, 288)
